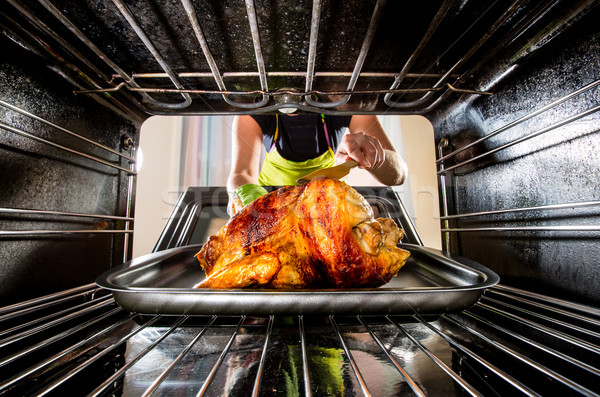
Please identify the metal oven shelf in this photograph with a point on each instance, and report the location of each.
(512, 341)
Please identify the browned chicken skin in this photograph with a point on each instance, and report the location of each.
(318, 235)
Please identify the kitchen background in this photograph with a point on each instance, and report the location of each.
(180, 151)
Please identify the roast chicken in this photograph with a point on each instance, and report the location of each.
(321, 234)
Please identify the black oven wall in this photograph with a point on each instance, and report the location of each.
(50, 178)
(543, 167)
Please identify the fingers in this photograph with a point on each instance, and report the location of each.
(341, 157)
(364, 149)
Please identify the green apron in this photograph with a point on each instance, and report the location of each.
(278, 171)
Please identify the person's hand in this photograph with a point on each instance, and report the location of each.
(364, 149)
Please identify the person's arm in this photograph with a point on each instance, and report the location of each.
(246, 149)
(368, 145)
(242, 183)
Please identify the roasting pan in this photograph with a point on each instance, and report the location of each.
(431, 282)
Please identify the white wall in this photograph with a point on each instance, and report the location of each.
(157, 181)
(419, 152)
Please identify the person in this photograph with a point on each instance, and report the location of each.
(300, 144)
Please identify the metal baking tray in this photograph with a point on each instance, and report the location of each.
(431, 282)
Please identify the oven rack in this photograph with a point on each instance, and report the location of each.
(47, 215)
(26, 134)
(515, 123)
(474, 160)
(561, 123)
(489, 40)
(79, 340)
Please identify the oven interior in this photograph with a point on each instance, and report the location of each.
(510, 87)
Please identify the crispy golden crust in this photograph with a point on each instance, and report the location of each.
(320, 234)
